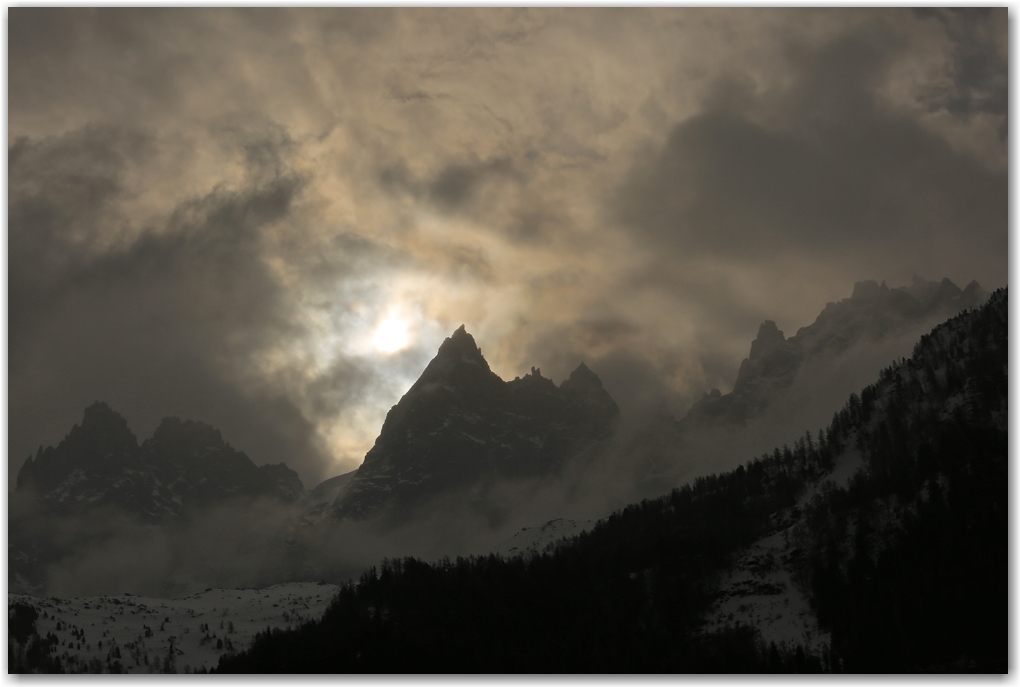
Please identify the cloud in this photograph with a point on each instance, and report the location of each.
(456, 184)
(798, 186)
(159, 323)
(979, 69)
(818, 169)
(62, 195)
(102, 551)
(210, 208)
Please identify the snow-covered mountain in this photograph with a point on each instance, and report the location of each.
(788, 384)
(873, 312)
(763, 589)
(461, 426)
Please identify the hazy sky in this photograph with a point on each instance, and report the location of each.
(232, 215)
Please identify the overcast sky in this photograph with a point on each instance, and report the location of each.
(220, 214)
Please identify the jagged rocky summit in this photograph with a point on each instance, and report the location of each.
(99, 469)
(184, 465)
(873, 312)
(460, 425)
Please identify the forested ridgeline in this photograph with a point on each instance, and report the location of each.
(906, 566)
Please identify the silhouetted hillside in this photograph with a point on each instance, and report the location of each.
(904, 560)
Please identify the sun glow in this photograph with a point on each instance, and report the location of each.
(391, 335)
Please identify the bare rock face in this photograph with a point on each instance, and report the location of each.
(460, 425)
(193, 463)
(185, 464)
(99, 474)
(97, 464)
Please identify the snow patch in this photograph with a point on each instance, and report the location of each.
(760, 592)
(530, 541)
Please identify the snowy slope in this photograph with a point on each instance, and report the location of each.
(953, 375)
(543, 538)
(760, 589)
(94, 631)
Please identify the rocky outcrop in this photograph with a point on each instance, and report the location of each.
(873, 311)
(97, 464)
(193, 463)
(461, 425)
(184, 465)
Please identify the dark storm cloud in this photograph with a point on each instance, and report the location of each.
(456, 184)
(451, 188)
(470, 188)
(70, 57)
(606, 331)
(829, 174)
(61, 195)
(177, 67)
(263, 142)
(159, 324)
(397, 178)
(344, 384)
(980, 80)
(642, 380)
(456, 188)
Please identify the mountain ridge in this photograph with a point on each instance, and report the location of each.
(873, 312)
(185, 464)
(460, 425)
(98, 481)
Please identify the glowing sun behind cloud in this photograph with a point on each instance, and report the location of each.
(391, 335)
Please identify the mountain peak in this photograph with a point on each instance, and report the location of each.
(769, 336)
(175, 436)
(874, 311)
(101, 445)
(103, 429)
(947, 290)
(461, 345)
(99, 413)
(460, 425)
(582, 377)
(175, 425)
(457, 365)
(866, 290)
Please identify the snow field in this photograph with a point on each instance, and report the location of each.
(94, 632)
(760, 590)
